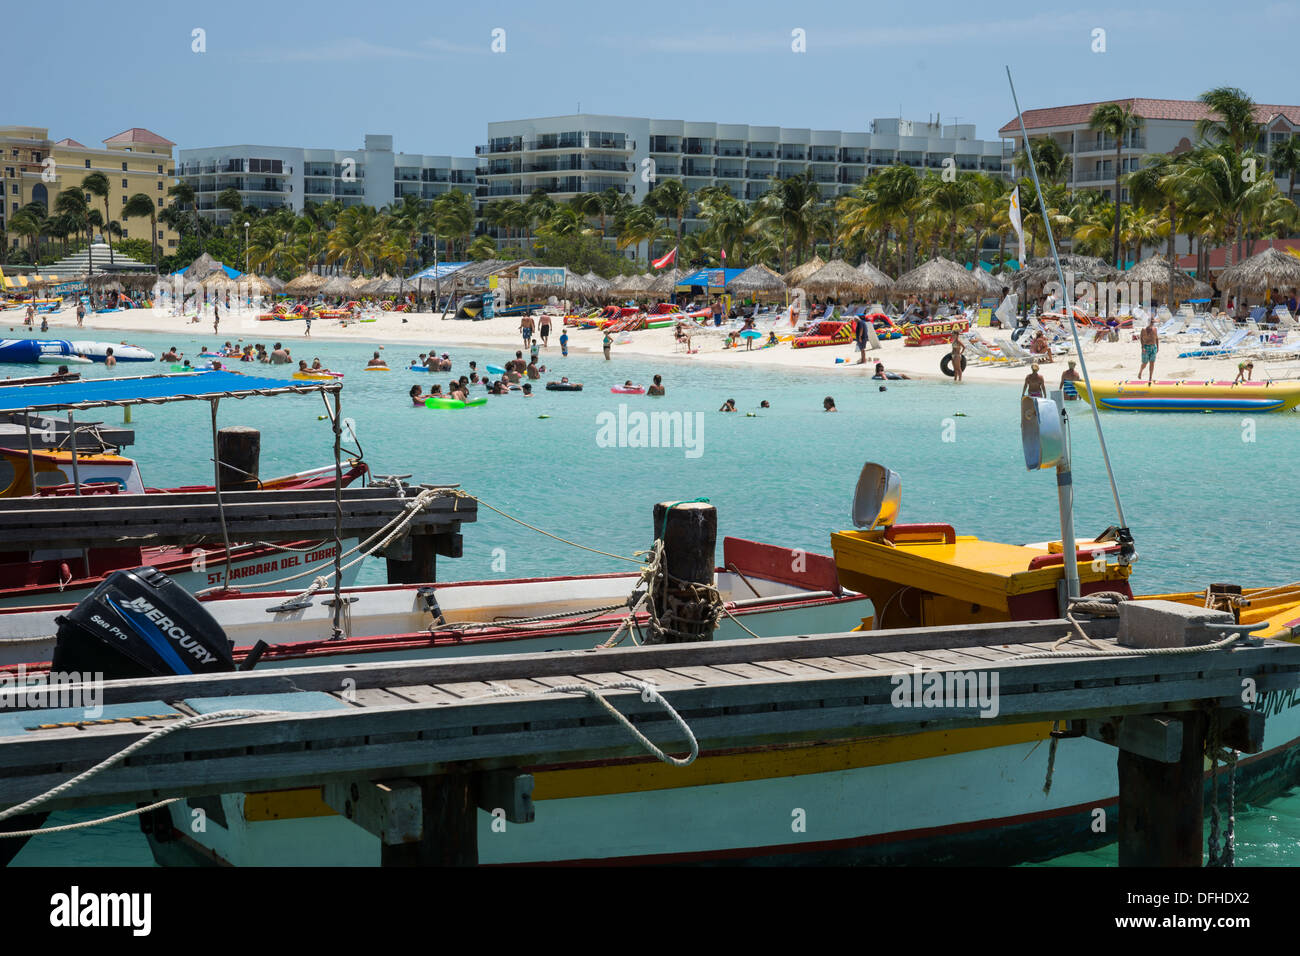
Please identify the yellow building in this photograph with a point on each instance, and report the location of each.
(133, 161)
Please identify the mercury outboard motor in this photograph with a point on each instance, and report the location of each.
(141, 623)
(138, 623)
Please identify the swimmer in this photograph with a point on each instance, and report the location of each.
(417, 398)
(657, 388)
(376, 362)
(528, 387)
(728, 406)
(828, 403)
(764, 404)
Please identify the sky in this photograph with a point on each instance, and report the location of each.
(325, 73)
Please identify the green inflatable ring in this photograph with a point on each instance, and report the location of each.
(435, 402)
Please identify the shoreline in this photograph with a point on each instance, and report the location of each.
(427, 330)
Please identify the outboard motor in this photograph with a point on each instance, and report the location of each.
(138, 623)
(141, 623)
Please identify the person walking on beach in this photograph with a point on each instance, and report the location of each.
(1035, 386)
(1150, 341)
(81, 312)
(958, 357)
(307, 319)
(526, 329)
(545, 331)
(564, 343)
(216, 317)
(860, 334)
(606, 344)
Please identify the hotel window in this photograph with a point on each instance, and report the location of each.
(160, 169)
(124, 167)
(15, 154)
(124, 184)
(160, 233)
(160, 185)
(87, 164)
(14, 189)
(171, 243)
(160, 202)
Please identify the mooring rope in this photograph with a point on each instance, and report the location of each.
(111, 761)
(509, 517)
(648, 694)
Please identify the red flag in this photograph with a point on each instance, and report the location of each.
(666, 260)
(724, 255)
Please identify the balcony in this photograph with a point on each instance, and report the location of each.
(794, 154)
(761, 152)
(1106, 144)
(824, 156)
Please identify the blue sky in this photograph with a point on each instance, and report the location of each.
(327, 72)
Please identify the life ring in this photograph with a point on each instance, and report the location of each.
(945, 364)
(563, 387)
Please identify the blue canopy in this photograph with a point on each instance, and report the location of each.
(440, 271)
(708, 278)
(179, 386)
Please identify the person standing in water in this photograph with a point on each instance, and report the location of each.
(958, 359)
(1150, 340)
(1035, 386)
(605, 344)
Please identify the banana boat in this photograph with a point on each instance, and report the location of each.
(1192, 396)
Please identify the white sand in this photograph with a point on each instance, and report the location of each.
(422, 331)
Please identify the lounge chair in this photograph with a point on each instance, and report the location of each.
(1236, 342)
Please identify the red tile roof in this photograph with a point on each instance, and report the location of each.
(138, 135)
(1219, 257)
(1190, 110)
(70, 142)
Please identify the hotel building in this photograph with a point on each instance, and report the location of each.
(585, 153)
(133, 161)
(288, 177)
(1169, 126)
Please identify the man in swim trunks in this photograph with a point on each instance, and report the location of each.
(532, 370)
(728, 406)
(545, 330)
(1035, 386)
(526, 326)
(860, 334)
(279, 355)
(1070, 375)
(1150, 340)
(1244, 372)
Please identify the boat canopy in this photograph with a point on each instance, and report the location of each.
(150, 390)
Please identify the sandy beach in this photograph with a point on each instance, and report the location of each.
(422, 331)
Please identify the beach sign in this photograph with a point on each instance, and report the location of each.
(552, 276)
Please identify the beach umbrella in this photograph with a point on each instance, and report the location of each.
(305, 284)
(882, 281)
(276, 283)
(360, 282)
(338, 285)
(202, 267)
(992, 287)
(1155, 269)
(254, 284)
(666, 282)
(798, 274)
(1270, 269)
(758, 281)
(939, 277)
(838, 278)
(396, 286)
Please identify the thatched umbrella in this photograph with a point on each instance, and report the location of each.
(276, 283)
(939, 277)
(305, 284)
(104, 282)
(338, 285)
(882, 281)
(630, 286)
(991, 285)
(202, 267)
(359, 283)
(1270, 269)
(757, 281)
(217, 280)
(254, 284)
(1156, 270)
(666, 282)
(396, 286)
(797, 275)
(838, 278)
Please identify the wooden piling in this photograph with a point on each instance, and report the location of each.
(449, 832)
(690, 532)
(1160, 804)
(239, 451)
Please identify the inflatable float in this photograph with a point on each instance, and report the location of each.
(1192, 396)
(563, 387)
(832, 332)
(37, 351)
(435, 402)
(378, 368)
(98, 351)
(495, 370)
(628, 390)
(317, 376)
(934, 333)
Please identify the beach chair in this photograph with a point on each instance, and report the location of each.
(1234, 343)
(1013, 350)
(1173, 327)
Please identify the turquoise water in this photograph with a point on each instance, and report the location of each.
(1206, 495)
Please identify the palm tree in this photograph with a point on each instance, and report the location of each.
(141, 205)
(897, 189)
(185, 195)
(1154, 188)
(1116, 120)
(670, 200)
(1050, 159)
(1233, 119)
(97, 185)
(23, 224)
(1286, 159)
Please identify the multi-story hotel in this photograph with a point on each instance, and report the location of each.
(1169, 126)
(584, 153)
(134, 161)
(288, 177)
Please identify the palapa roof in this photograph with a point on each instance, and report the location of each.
(757, 280)
(255, 284)
(1155, 269)
(796, 275)
(598, 283)
(304, 284)
(395, 286)
(665, 282)
(871, 272)
(359, 283)
(1270, 269)
(337, 285)
(837, 277)
(630, 285)
(217, 280)
(202, 267)
(939, 277)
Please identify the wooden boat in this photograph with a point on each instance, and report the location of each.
(1192, 396)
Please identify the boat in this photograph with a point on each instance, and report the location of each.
(98, 351)
(1192, 396)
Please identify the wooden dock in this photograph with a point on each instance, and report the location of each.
(463, 726)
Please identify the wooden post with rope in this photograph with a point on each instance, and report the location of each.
(239, 451)
(689, 531)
